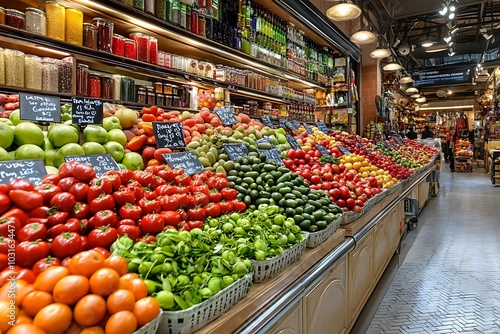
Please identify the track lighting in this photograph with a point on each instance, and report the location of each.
(427, 42)
(451, 52)
(443, 11)
(451, 16)
(412, 90)
(447, 39)
(406, 79)
(453, 6)
(380, 53)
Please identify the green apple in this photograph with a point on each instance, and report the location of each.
(50, 156)
(6, 135)
(122, 166)
(118, 136)
(12, 155)
(68, 149)
(110, 123)
(133, 161)
(93, 148)
(47, 145)
(28, 133)
(95, 133)
(29, 151)
(51, 170)
(4, 155)
(115, 149)
(62, 134)
(15, 117)
(6, 121)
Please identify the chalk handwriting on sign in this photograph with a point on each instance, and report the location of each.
(185, 160)
(101, 163)
(31, 170)
(296, 124)
(267, 122)
(398, 140)
(343, 149)
(85, 110)
(322, 150)
(363, 148)
(40, 108)
(169, 134)
(308, 128)
(236, 150)
(272, 155)
(322, 127)
(293, 142)
(226, 116)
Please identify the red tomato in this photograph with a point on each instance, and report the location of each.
(65, 201)
(172, 218)
(213, 210)
(80, 191)
(66, 183)
(229, 194)
(9, 226)
(132, 231)
(45, 263)
(56, 218)
(123, 196)
(29, 252)
(102, 236)
(152, 223)
(47, 191)
(32, 232)
(130, 211)
(66, 244)
(20, 184)
(83, 172)
(197, 213)
(103, 218)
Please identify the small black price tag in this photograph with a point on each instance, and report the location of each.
(398, 140)
(393, 145)
(293, 142)
(308, 128)
(40, 108)
(169, 134)
(363, 148)
(322, 127)
(236, 150)
(272, 155)
(85, 110)
(185, 160)
(384, 143)
(267, 122)
(322, 150)
(101, 163)
(226, 116)
(31, 170)
(343, 149)
(296, 124)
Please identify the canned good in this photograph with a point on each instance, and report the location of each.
(50, 74)
(32, 72)
(56, 19)
(104, 34)
(90, 36)
(82, 80)
(15, 18)
(74, 24)
(35, 21)
(94, 85)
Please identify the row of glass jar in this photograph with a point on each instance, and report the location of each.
(29, 71)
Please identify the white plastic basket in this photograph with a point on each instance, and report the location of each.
(151, 327)
(317, 238)
(199, 315)
(265, 269)
(349, 217)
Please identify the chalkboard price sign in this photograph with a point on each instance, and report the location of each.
(322, 126)
(40, 108)
(85, 110)
(384, 143)
(398, 140)
(293, 142)
(308, 128)
(322, 150)
(236, 150)
(226, 116)
(101, 163)
(343, 149)
(393, 145)
(272, 155)
(363, 148)
(267, 122)
(31, 170)
(169, 135)
(282, 123)
(296, 124)
(185, 160)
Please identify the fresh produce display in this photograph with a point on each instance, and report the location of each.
(91, 294)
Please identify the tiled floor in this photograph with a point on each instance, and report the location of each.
(447, 276)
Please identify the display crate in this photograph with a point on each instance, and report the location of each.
(151, 327)
(190, 320)
(317, 238)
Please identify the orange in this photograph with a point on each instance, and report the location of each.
(123, 322)
(120, 300)
(145, 310)
(86, 263)
(48, 278)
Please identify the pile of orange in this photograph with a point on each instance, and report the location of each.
(92, 295)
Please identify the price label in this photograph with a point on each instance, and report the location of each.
(40, 108)
(226, 116)
(185, 160)
(398, 140)
(272, 155)
(282, 123)
(393, 145)
(31, 170)
(296, 124)
(343, 149)
(322, 150)
(101, 163)
(308, 128)
(293, 142)
(267, 122)
(322, 127)
(85, 111)
(236, 150)
(363, 148)
(384, 143)
(169, 134)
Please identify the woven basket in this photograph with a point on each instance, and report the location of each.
(317, 238)
(151, 327)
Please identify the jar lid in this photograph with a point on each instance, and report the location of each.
(140, 34)
(128, 40)
(158, 83)
(150, 88)
(48, 60)
(36, 10)
(151, 38)
(90, 25)
(99, 19)
(118, 36)
(14, 12)
(107, 76)
(141, 92)
(82, 65)
(94, 74)
(160, 95)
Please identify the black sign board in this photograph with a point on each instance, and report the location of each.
(322, 127)
(40, 108)
(363, 148)
(185, 160)
(296, 124)
(31, 170)
(85, 110)
(322, 150)
(272, 155)
(398, 140)
(385, 145)
(169, 134)
(393, 145)
(293, 142)
(267, 122)
(308, 128)
(226, 116)
(267, 140)
(101, 163)
(443, 76)
(236, 150)
(343, 149)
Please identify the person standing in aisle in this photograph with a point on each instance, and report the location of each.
(427, 134)
(451, 150)
(411, 134)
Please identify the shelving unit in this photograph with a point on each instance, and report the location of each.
(495, 168)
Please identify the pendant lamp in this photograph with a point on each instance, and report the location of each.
(380, 53)
(343, 11)
(363, 36)
(392, 65)
(412, 90)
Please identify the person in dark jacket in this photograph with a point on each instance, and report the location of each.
(411, 134)
(427, 133)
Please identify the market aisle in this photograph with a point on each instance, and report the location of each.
(449, 282)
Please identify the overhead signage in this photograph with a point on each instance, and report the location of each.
(443, 76)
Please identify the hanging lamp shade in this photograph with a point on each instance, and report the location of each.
(415, 96)
(412, 90)
(392, 66)
(380, 53)
(406, 79)
(421, 99)
(363, 36)
(343, 11)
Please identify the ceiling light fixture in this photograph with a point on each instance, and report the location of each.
(453, 30)
(421, 99)
(427, 42)
(392, 65)
(343, 11)
(380, 53)
(437, 48)
(451, 52)
(443, 11)
(415, 96)
(363, 36)
(451, 16)
(412, 90)
(406, 79)
(447, 39)
(453, 6)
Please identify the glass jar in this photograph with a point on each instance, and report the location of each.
(201, 25)
(117, 86)
(65, 75)
(104, 34)
(139, 4)
(32, 72)
(35, 21)
(107, 87)
(141, 96)
(94, 85)
(118, 45)
(127, 89)
(74, 24)
(167, 62)
(167, 89)
(15, 18)
(160, 99)
(168, 100)
(176, 102)
(14, 68)
(56, 20)
(50, 74)
(150, 95)
(175, 12)
(90, 36)
(2, 67)
(194, 19)
(188, 18)
(153, 50)
(161, 9)
(183, 19)
(128, 2)
(158, 87)
(130, 48)
(161, 58)
(142, 44)
(149, 6)
(2, 15)
(175, 90)
(82, 80)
